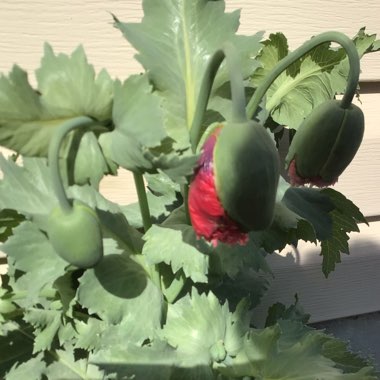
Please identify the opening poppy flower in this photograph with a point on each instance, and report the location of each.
(208, 217)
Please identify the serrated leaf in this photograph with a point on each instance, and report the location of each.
(117, 289)
(67, 87)
(170, 246)
(290, 350)
(200, 28)
(46, 324)
(67, 367)
(247, 284)
(274, 49)
(26, 189)
(9, 219)
(344, 205)
(31, 369)
(30, 252)
(316, 77)
(290, 99)
(138, 118)
(313, 206)
(195, 323)
(176, 165)
(139, 141)
(15, 347)
(345, 218)
(88, 333)
(279, 311)
(232, 259)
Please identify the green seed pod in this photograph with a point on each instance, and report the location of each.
(246, 169)
(76, 235)
(325, 144)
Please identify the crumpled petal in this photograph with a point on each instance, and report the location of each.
(207, 215)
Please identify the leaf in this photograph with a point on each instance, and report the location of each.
(196, 324)
(9, 219)
(67, 367)
(364, 43)
(175, 41)
(247, 284)
(88, 333)
(231, 259)
(175, 248)
(67, 87)
(312, 205)
(316, 77)
(31, 369)
(138, 119)
(345, 218)
(290, 99)
(117, 289)
(70, 86)
(293, 312)
(140, 142)
(30, 252)
(289, 350)
(274, 49)
(26, 189)
(46, 323)
(15, 347)
(150, 362)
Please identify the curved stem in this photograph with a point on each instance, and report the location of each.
(237, 90)
(239, 114)
(53, 156)
(341, 39)
(143, 200)
(204, 95)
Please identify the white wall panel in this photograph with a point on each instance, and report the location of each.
(25, 25)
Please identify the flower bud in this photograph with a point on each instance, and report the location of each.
(325, 144)
(234, 187)
(76, 235)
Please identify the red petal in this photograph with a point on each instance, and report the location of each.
(207, 215)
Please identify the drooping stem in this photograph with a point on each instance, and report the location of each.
(53, 156)
(341, 39)
(239, 114)
(143, 200)
(204, 95)
(237, 90)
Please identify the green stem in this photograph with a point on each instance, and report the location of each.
(204, 95)
(53, 156)
(175, 288)
(341, 39)
(143, 200)
(237, 90)
(239, 114)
